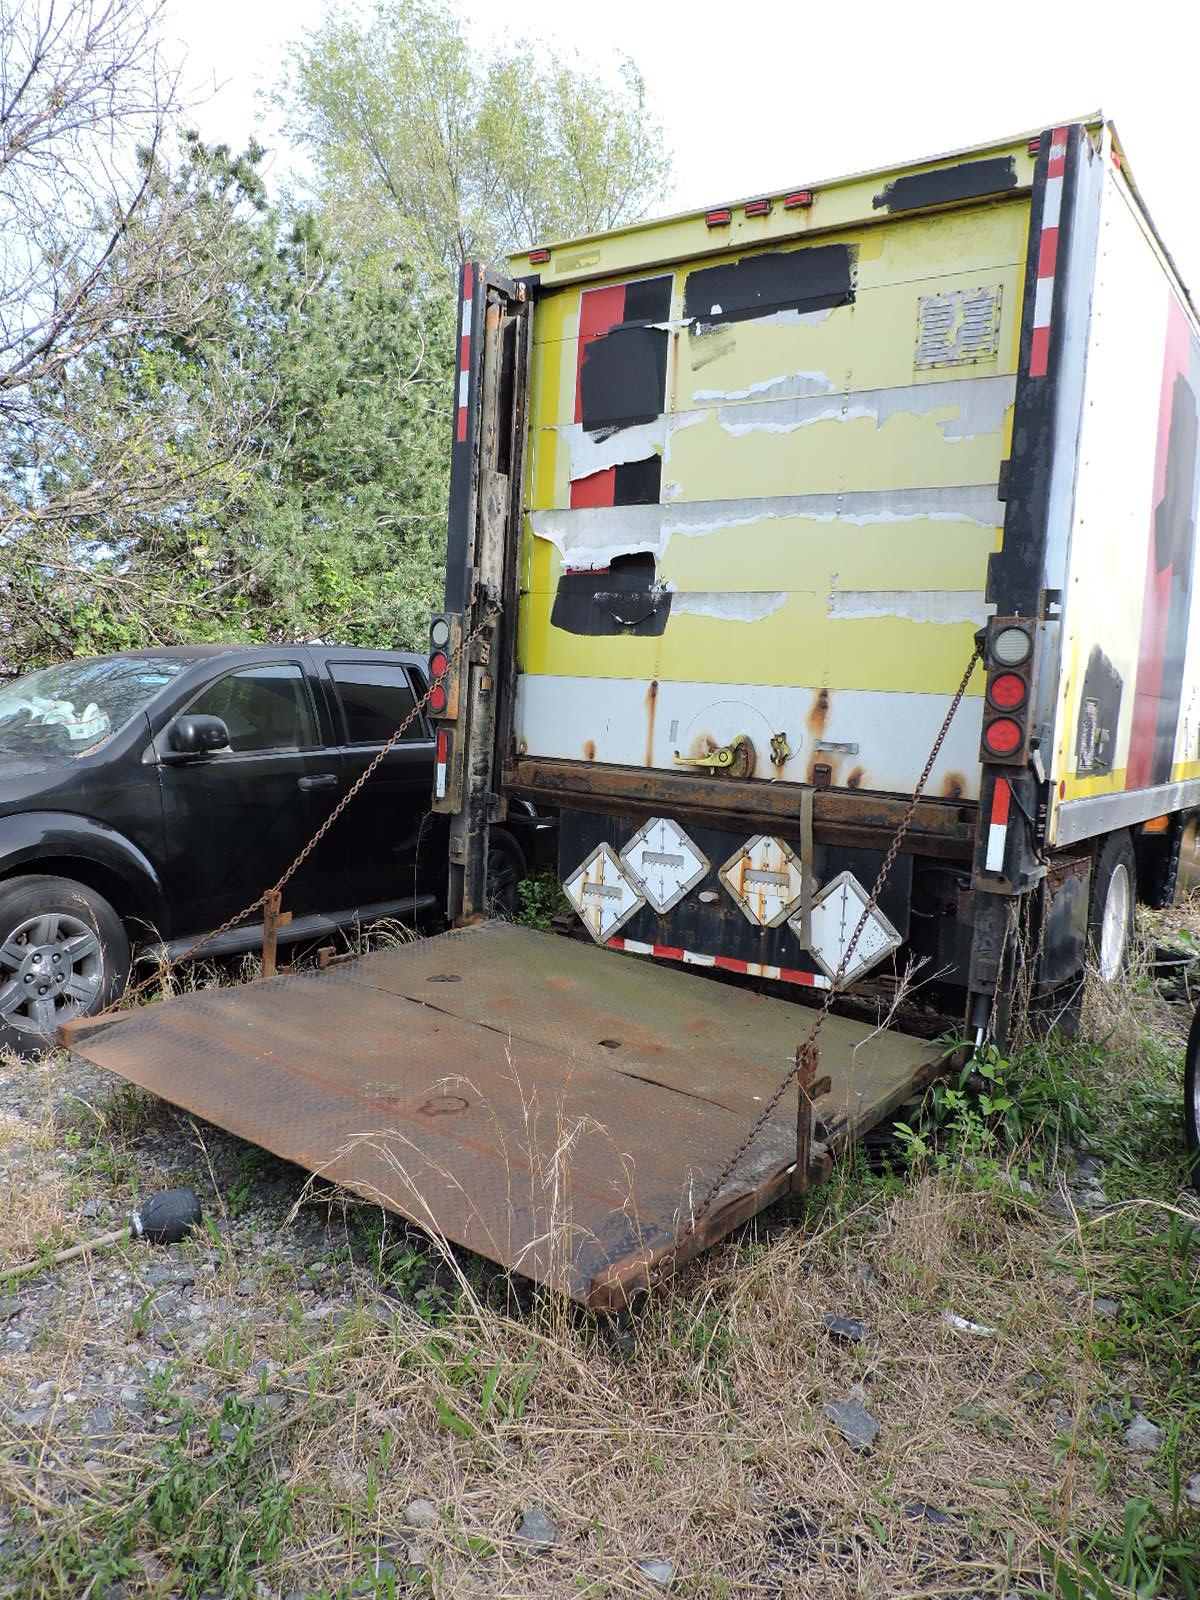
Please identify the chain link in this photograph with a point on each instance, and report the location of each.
(809, 1043)
(164, 970)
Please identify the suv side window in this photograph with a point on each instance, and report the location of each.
(375, 696)
(264, 708)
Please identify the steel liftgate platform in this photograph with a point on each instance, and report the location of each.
(557, 1107)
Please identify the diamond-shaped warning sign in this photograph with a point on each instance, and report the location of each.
(603, 893)
(765, 877)
(664, 862)
(835, 914)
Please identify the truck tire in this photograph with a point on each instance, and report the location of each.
(1110, 914)
(63, 953)
(1191, 1100)
(506, 868)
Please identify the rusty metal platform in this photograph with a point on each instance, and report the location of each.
(556, 1107)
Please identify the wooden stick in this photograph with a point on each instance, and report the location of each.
(69, 1254)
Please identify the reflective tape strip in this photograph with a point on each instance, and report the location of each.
(464, 353)
(443, 754)
(998, 826)
(692, 958)
(1047, 256)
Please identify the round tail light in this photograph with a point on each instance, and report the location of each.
(1007, 691)
(437, 699)
(1011, 646)
(1002, 736)
(439, 664)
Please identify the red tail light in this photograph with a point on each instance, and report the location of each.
(1007, 691)
(437, 698)
(439, 664)
(1002, 736)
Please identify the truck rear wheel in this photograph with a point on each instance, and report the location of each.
(1110, 916)
(63, 953)
(1191, 1100)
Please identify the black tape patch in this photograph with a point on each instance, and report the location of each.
(626, 598)
(623, 379)
(638, 483)
(812, 279)
(968, 180)
(1099, 713)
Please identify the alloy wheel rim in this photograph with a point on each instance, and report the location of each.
(51, 969)
(1114, 928)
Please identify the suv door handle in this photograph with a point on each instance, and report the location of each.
(317, 780)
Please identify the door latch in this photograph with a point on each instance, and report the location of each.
(736, 759)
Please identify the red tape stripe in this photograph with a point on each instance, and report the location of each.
(1001, 803)
(670, 952)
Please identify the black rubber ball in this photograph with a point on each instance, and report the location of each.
(165, 1218)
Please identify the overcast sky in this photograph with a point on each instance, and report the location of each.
(761, 96)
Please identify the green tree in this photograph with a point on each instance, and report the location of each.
(422, 146)
(296, 431)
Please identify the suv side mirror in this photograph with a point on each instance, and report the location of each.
(197, 736)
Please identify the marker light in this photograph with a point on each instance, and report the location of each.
(1007, 691)
(1002, 736)
(1011, 646)
(438, 698)
(439, 664)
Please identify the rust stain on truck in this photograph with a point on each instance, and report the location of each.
(651, 713)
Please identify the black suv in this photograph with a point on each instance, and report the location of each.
(146, 797)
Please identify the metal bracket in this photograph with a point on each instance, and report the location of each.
(809, 1089)
(273, 920)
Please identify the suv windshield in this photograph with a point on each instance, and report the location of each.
(71, 709)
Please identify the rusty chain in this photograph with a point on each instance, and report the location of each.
(164, 970)
(808, 1045)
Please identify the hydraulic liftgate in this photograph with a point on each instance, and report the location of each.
(559, 1108)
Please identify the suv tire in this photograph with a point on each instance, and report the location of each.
(1110, 915)
(63, 953)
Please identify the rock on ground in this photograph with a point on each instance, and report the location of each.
(537, 1531)
(1143, 1435)
(858, 1427)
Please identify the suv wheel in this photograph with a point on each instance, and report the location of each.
(63, 954)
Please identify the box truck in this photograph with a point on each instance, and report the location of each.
(825, 558)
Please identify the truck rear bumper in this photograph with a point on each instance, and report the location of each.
(557, 1107)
